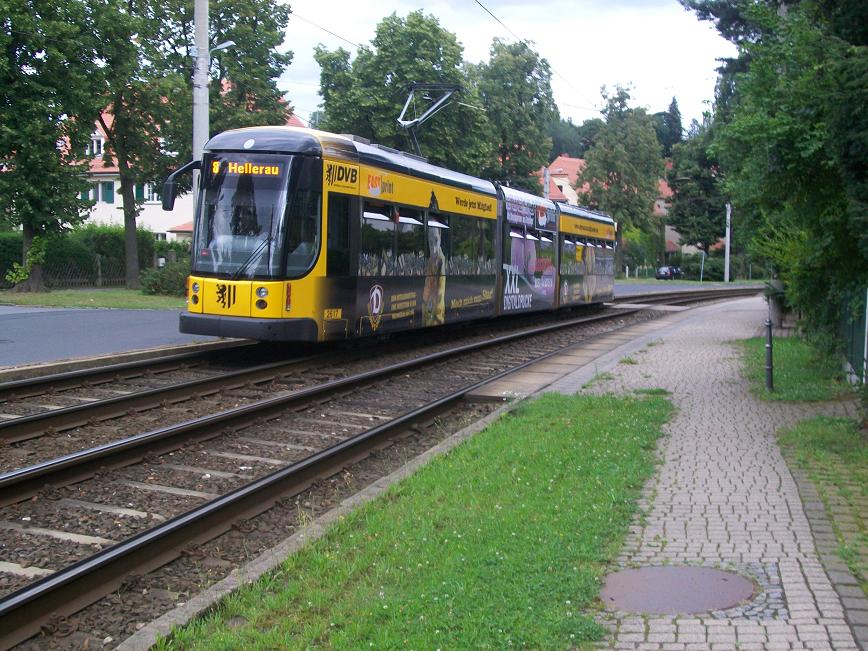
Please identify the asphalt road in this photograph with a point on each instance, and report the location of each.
(33, 335)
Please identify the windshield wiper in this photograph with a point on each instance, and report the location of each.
(253, 256)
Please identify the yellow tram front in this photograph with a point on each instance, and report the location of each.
(257, 237)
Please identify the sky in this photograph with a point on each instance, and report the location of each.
(655, 48)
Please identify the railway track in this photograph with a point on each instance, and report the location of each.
(56, 402)
(88, 521)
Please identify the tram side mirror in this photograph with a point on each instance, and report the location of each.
(170, 187)
(170, 191)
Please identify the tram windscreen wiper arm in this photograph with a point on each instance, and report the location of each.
(254, 254)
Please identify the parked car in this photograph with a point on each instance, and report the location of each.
(668, 273)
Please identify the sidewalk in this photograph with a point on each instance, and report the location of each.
(723, 497)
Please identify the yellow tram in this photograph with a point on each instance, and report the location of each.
(303, 235)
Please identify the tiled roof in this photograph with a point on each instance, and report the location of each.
(567, 166)
(186, 227)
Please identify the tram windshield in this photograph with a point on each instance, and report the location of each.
(258, 213)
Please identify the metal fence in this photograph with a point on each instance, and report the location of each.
(102, 272)
(854, 333)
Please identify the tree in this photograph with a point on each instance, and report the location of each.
(572, 140)
(515, 88)
(623, 167)
(793, 150)
(149, 48)
(698, 203)
(667, 124)
(47, 107)
(365, 96)
(565, 138)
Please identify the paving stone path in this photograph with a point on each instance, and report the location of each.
(723, 497)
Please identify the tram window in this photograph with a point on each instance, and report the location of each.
(472, 251)
(545, 258)
(338, 257)
(571, 256)
(487, 228)
(439, 243)
(377, 250)
(304, 216)
(410, 250)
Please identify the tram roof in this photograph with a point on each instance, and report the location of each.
(298, 140)
(587, 213)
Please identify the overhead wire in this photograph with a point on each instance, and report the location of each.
(328, 31)
(526, 43)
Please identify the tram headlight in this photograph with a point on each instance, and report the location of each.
(194, 288)
(261, 304)
(262, 292)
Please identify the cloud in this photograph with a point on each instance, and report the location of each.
(656, 46)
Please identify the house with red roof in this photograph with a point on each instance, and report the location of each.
(564, 172)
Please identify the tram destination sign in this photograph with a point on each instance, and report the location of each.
(251, 169)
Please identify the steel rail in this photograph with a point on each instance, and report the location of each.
(23, 483)
(66, 379)
(57, 420)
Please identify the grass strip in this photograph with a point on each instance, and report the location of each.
(833, 452)
(500, 543)
(800, 373)
(117, 298)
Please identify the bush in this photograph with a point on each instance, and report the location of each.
(67, 249)
(171, 280)
(10, 252)
(180, 247)
(108, 241)
(713, 269)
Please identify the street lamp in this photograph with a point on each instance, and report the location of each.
(225, 45)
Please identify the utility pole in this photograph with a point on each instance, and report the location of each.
(726, 255)
(200, 83)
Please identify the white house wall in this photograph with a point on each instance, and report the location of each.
(151, 217)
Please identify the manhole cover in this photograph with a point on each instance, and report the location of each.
(674, 590)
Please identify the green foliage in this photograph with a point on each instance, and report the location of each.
(515, 88)
(80, 246)
(366, 96)
(792, 159)
(834, 453)
(698, 209)
(48, 69)
(624, 166)
(180, 247)
(149, 48)
(637, 248)
(115, 297)
(802, 372)
(10, 251)
(171, 280)
(35, 256)
(573, 140)
(108, 242)
(792, 140)
(667, 125)
(711, 269)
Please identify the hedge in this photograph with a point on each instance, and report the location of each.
(80, 245)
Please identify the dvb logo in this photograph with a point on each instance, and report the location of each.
(341, 174)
